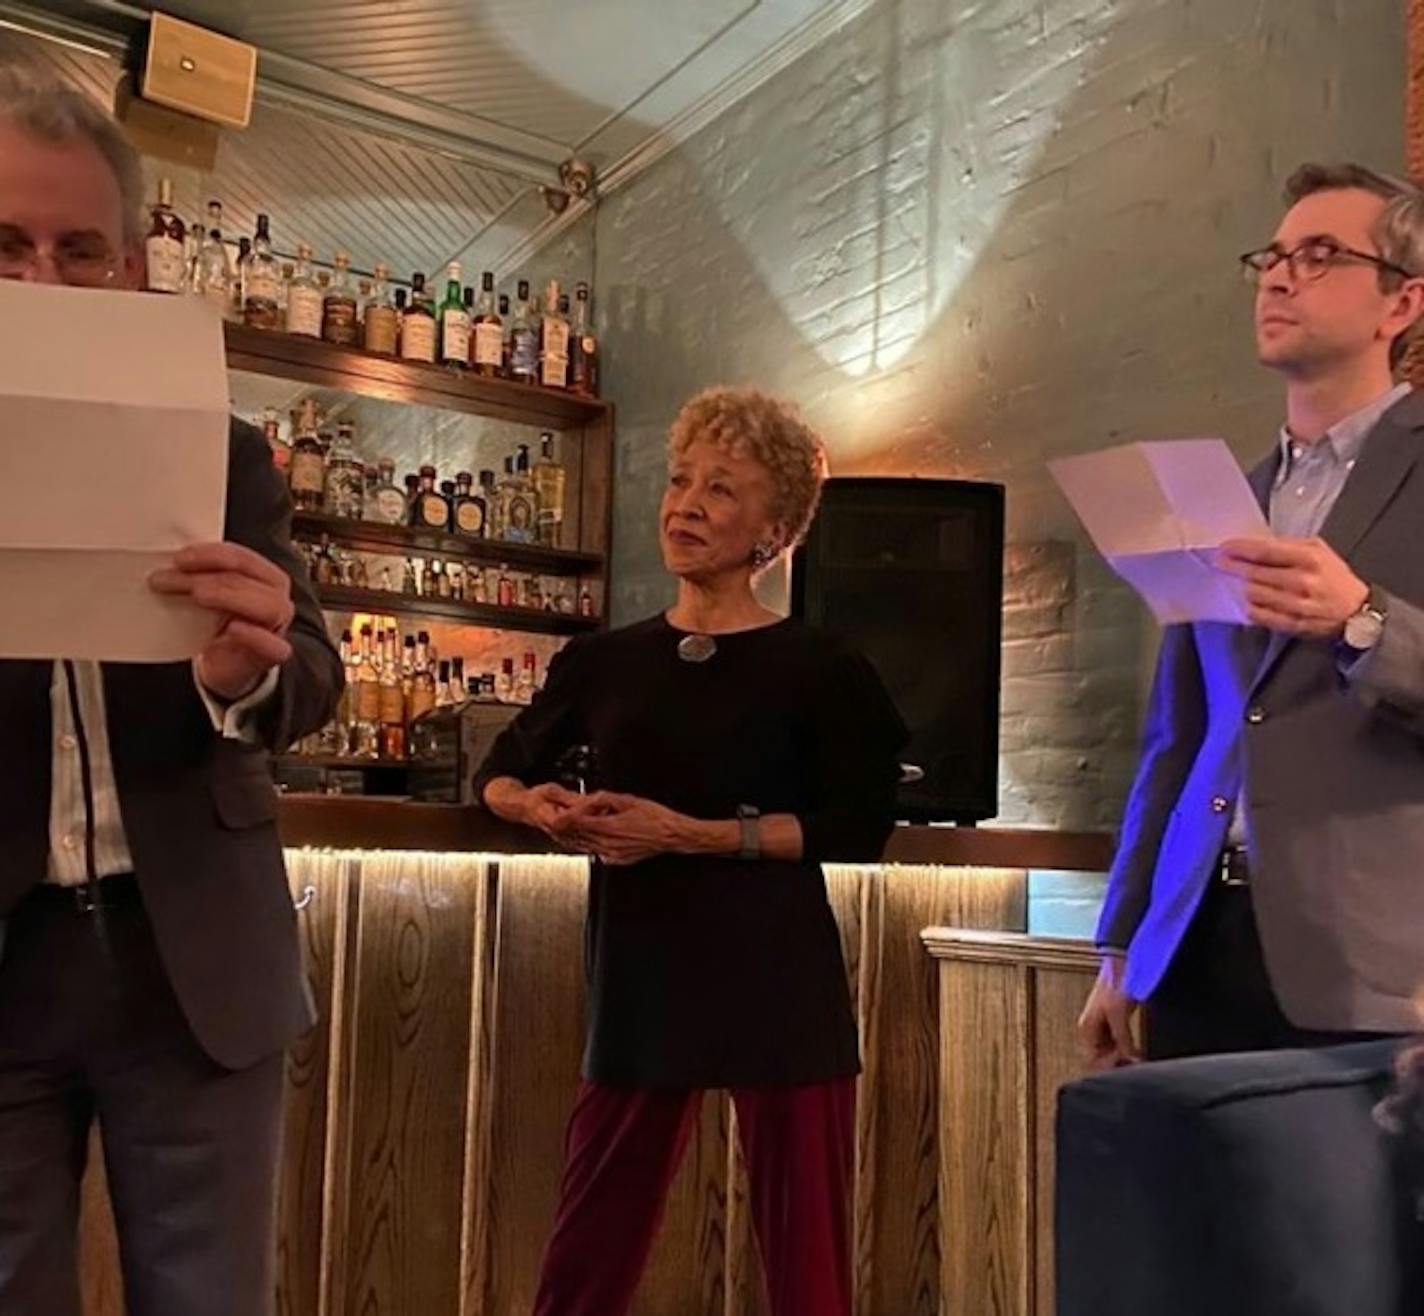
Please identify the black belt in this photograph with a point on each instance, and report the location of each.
(1233, 869)
(107, 893)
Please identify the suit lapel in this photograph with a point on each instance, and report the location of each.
(1388, 454)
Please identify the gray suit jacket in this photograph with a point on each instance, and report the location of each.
(199, 811)
(1330, 757)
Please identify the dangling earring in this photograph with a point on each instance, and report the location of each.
(762, 556)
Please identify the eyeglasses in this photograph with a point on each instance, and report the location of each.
(1312, 260)
(83, 260)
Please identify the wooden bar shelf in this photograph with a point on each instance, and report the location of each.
(346, 598)
(351, 370)
(374, 537)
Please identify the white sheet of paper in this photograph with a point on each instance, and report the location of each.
(1156, 511)
(113, 455)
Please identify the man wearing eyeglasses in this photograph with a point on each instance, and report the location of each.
(151, 976)
(1267, 888)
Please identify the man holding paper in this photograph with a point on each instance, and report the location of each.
(151, 976)
(1267, 888)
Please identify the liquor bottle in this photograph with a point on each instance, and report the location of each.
(438, 583)
(549, 481)
(410, 582)
(366, 740)
(422, 679)
(506, 597)
(458, 693)
(337, 739)
(238, 302)
(418, 324)
(525, 686)
(494, 500)
(468, 509)
(308, 474)
(289, 272)
(214, 281)
(524, 341)
(392, 705)
(262, 281)
(408, 660)
(583, 348)
(382, 323)
(585, 602)
(535, 597)
(504, 682)
(304, 305)
(345, 484)
(521, 509)
(194, 232)
(508, 339)
(280, 448)
(442, 686)
(412, 492)
(553, 341)
(454, 321)
(163, 248)
(429, 511)
(487, 355)
(387, 503)
(338, 310)
(363, 301)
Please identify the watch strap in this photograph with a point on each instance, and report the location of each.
(749, 820)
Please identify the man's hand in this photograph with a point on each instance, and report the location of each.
(253, 600)
(622, 829)
(1105, 1027)
(1295, 586)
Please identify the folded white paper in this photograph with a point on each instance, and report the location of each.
(113, 455)
(1157, 512)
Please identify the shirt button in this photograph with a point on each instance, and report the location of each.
(70, 842)
(1297, 452)
(1255, 716)
(68, 742)
(1220, 804)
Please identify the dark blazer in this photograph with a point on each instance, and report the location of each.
(1330, 756)
(199, 811)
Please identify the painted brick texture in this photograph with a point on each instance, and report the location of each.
(969, 236)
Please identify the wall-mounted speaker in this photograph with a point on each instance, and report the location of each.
(202, 73)
(911, 572)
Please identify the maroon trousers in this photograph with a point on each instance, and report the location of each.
(624, 1146)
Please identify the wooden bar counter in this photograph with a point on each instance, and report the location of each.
(425, 1114)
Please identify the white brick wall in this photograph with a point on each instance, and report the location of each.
(968, 235)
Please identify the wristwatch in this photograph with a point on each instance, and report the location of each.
(749, 817)
(1364, 628)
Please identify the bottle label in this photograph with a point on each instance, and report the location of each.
(262, 286)
(304, 312)
(281, 456)
(521, 514)
(433, 512)
(489, 344)
(390, 506)
(165, 264)
(307, 474)
(418, 338)
(455, 339)
(470, 517)
(392, 703)
(524, 359)
(338, 323)
(368, 701)
(554, 372)
(345, 486)
(381, 324)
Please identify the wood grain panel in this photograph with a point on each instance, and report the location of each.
(1058, 996)
(409, 1062)
(983, 1184)
(321, 885)
(101, 1284)
(903, 1107)
(538, 1027)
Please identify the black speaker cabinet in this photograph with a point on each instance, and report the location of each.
(911, 572)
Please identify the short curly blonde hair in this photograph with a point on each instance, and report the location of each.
(748, 423)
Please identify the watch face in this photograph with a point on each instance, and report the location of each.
(1362, 631)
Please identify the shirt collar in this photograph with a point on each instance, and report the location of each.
(1346, 437)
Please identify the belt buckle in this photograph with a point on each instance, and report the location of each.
(1229, 859)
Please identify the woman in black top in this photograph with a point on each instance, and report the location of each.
(735, 751)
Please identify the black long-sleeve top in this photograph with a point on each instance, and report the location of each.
(708, 971)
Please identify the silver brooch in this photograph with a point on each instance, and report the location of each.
(696, 648)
